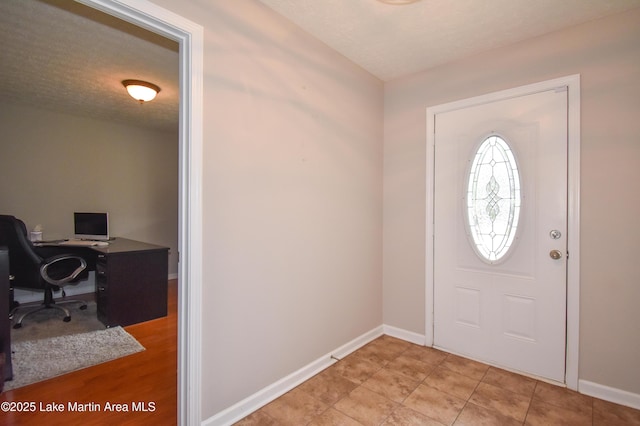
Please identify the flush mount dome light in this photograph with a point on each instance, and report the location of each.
(141, 91)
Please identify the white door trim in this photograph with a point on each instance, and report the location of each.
(190, 37)
(573, 213)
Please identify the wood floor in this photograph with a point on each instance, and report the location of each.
(145, 380)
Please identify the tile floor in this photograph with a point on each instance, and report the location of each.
(393, 382)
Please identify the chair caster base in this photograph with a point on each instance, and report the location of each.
(83, 307)
(66, 319)
(17, 326)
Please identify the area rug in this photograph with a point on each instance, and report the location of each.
(48, 323)
(41, 359)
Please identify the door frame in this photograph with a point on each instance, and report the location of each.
(572, 83)
(190, 37)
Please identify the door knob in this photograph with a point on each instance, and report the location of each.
(555, 254)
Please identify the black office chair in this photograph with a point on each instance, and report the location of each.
(33, 271)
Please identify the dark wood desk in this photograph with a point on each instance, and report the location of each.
(131, 279)
(131, 282)
(5, 322)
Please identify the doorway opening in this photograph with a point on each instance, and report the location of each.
(190, 39)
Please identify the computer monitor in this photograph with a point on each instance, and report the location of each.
(91, 226)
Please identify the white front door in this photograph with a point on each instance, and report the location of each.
(500, 232)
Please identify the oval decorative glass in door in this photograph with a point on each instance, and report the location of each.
(493, 199)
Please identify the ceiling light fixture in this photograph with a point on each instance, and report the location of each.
(398, 2)
(141, 91)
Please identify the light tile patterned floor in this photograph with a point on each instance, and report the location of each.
(393, 382)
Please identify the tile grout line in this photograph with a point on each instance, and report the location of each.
(471, 395)
(533, 394)
(382, 356)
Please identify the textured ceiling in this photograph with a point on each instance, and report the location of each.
(63, 56)
(392, 41)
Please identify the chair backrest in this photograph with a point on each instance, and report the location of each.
(24, 262)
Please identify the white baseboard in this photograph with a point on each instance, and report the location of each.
(273, 391)
(357, 343)
(409, 336)
(607, 393)
(595, 390)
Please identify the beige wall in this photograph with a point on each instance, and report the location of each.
(292, 191)
(606, 53)
(53, 164)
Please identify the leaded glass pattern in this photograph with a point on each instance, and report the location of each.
(493, 199)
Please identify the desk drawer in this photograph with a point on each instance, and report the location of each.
(102, 288)
(102, 275)
(131, 285)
